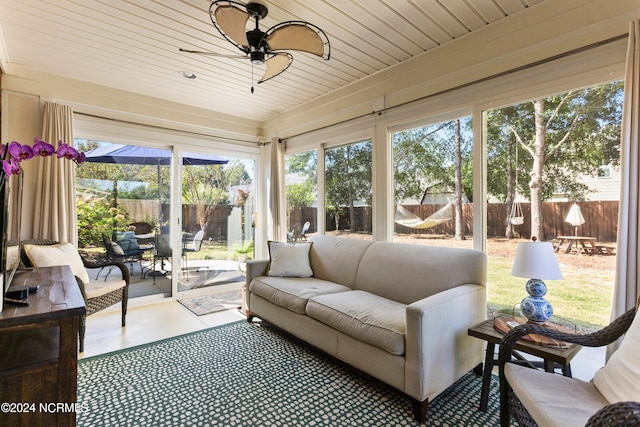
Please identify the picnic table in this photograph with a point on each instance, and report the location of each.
(583, 245)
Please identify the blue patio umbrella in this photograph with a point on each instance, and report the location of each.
(138, 155)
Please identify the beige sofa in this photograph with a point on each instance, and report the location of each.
(398, 312)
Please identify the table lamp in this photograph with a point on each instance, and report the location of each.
(536, 261)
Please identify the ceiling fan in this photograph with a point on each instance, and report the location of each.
(264, 47)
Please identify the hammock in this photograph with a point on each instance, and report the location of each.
(408, 219)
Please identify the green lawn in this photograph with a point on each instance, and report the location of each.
(583, 297)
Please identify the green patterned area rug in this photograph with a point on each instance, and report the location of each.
(252, 375)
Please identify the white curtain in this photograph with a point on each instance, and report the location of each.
(55, 193)
(627, 282)
(277, 193)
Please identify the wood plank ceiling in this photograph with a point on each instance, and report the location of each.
(133, 45)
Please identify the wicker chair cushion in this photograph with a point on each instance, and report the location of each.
(98, 289)
(554, 400)
(117, 249)
(619, 379)
(60, 254)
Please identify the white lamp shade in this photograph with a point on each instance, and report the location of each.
(536, 260)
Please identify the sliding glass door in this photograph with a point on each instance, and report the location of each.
(217, 229)
(126, 198)
(123, 211)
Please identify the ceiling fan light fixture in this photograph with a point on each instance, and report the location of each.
(257, 57)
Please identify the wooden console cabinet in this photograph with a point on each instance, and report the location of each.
(39, 351)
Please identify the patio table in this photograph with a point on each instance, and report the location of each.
(582, 244)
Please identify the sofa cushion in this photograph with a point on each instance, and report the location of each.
(293, 293)
(367, 317)
(554, 400)
(336, 259)
(619, 379)
(288, 260)
(422, 270)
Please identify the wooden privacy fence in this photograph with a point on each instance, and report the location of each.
(601, 220)
(148, 210)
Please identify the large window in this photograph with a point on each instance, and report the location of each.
(544, 158)
(301, 187)
(348, 190)
(432, 167)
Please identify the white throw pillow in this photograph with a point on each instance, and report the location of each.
(289, 260)
(619, 379)
(117, 249)
(60, 254)
(13, 256)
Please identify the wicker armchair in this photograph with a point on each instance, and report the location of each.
(617, 414)
(96, 295)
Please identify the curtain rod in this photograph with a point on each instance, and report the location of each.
(474, 82)
(163, 127)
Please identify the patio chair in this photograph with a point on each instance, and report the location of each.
(195, 246)
(305, 230)
(97, 295)
(125, 250)
(161, 253)
(294, 235)
(535, 397)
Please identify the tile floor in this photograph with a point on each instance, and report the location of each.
(147, 323)
(168, 318)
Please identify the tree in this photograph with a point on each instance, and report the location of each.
(459, 234)
(301, 171)
(348, 179)
(435, 156)
(207, 186)
(559, 138)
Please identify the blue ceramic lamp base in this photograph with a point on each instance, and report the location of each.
(534, 307)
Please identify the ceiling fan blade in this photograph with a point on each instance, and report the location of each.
(221, 55)
(231, 22)
(276, 64)
(298, 35)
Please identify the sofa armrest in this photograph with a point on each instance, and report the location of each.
(256, 268)
(438, 347)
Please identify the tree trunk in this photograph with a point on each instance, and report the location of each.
(510, 200)
(458, 164)
(535, 184)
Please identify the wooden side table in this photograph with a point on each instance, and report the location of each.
(550, 355)
(39, 350)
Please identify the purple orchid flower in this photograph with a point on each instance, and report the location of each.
(42, 148)
(6, 167)
(11, 167)
(81, 157)
(20, 152)
(66, 151)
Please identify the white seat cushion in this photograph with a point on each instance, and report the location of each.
(367, 317)
(293, 293)
(60, 254)
(98, 289)
(554, 400)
